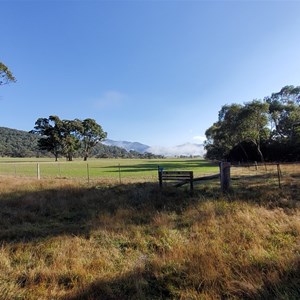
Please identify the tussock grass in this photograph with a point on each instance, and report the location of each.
(65, 240)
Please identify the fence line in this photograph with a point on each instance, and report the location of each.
(276, 174)
(241, 175)
(77, 171)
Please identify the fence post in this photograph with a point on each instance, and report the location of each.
(38, 171)
(59, 170)
(160, 170)
(88, 173)
(192, 181)
(225, 176)
(120, 174)
(279, 175)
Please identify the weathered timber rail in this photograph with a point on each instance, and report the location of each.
(182, 176)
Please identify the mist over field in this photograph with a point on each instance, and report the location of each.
(187, 149)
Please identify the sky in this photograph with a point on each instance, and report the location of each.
(154, 72)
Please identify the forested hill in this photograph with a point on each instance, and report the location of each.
(19, 143)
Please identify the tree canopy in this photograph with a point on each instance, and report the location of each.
(91, 134)
(6, 75)
(66, 137)
(258, 130)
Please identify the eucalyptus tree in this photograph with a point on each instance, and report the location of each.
(252, 124)
(284, 110)
(66, 137)
(222, 136)
(237, 125)
(51, 132)
(270, 127)
(91, 134)
(70, 137)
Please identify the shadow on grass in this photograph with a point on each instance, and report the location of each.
(134, 285)
(34, 215)
(144, 284)
(31, 215)
(286, 286)
(169, 165)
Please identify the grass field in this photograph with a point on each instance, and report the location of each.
(64, 239)
(95, 169)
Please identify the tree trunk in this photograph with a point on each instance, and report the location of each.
(243, 149)
(85, 154)
(260, 153)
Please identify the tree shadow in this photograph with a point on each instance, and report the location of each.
(286, 286)
(170, 165)
(145, 283)
(31, 215)
(34, 214)
(132, 285)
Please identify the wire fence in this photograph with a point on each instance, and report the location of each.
(241, 176)
(112, 173)
(271, 174)
(82, 172)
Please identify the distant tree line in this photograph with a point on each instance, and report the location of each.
(260, 130)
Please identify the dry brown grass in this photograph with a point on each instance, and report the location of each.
(63, 240)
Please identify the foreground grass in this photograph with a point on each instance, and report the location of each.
(61, 240)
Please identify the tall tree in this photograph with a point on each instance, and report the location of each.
(6, 75)
(51, 132)
(287, 94)
(252, 124)
(236, 126)
(222, 135)
(91, 134)
(284, 109)
(70, 137)
(271, 128)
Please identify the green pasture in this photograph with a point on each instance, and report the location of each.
(138, 169)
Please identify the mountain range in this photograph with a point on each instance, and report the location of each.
(187, 149)
(128, 146)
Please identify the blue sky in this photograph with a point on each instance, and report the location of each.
(156, 72)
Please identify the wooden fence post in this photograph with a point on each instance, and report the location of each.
(120, 174)
(160, 169)
(88, 173)
(225, 176)
(279, 175)
(38, 171)
(191, 181)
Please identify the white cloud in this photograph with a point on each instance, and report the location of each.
(110, 99)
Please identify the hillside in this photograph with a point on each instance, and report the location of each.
(129, 146)
(18, 143)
